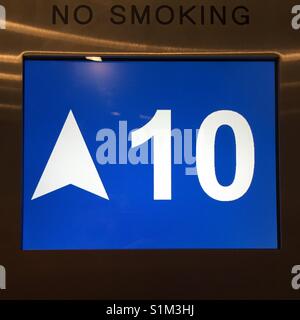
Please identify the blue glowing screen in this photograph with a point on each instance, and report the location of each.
(86, 187)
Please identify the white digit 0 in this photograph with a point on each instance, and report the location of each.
(205, 155)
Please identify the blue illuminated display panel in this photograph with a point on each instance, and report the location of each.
(139, 154)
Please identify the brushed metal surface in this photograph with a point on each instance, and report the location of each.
(191, 274)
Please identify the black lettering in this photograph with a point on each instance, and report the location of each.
(117, 11)
(185, 14)
(241, 19)
(63, 16)
(215, 13)
(135, 15)
(202, 15)
(158, 14)
(88, 14)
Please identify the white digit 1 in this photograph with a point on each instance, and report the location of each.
(158, 128)
(205, 155)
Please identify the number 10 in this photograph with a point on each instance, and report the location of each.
(159, 128)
